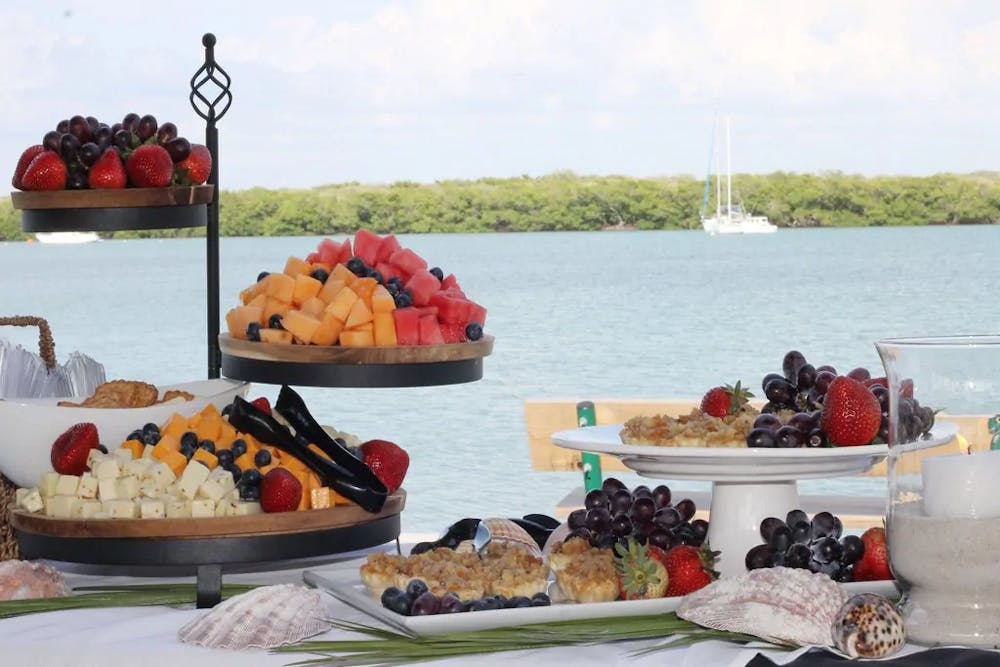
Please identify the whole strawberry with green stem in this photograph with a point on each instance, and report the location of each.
(725, 400)
(690, 568)
(280, 491)
(851, 414)
(641, 570)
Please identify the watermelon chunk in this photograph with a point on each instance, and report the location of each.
(452, 310)
(430, 332)
(329, 251)
(345, 253)
(313, 257)
(408, 261)
(452, 333)
(422, 285)
(366, 246)
(388, 271)
(407, 322)
(427, 311)
(450, 281)
(477, 314)
(388, 246)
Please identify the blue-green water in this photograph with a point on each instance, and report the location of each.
(584, 315)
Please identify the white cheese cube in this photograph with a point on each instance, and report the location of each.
(202, 509)
(216, 487)
(161, 473)
(178, 509)
(107, 489)
(120, 509)
(61, 507)
(94, 456)
(194, 475)
(32, 501)
(86, 509)
(88, 487)
(101, 515)
(47, 485)
(106, 468)
(67, 485)
(234, 495)
(245, 508)
(224, 508)
(152, 509)
(147, 452)
(127, 487)
(123, 455)
(149, 489)
(19, 495)
(137, 467)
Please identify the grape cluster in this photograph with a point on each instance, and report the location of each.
(612, 514)
(417, 600)
(814, 545)
(80, 141)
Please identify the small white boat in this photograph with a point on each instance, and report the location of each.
(731, 218)
(66, 238)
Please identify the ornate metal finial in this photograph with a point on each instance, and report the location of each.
(210, 72)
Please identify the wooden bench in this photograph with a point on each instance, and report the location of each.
(547, 416)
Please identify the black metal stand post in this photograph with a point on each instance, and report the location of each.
(210, 72)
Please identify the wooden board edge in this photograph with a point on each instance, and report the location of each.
(355, 356)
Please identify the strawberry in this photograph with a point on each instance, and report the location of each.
(851, 414)
(641, 570)
(689, 568)
(108, 171)
(70, 450)
(874, 563)
(280, 491)
(726, 400)
(22, 164)
(387, 460)
(150, 166)
(196, 167)
(46, 171)
(262, 404)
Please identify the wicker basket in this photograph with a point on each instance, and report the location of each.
(47, 350)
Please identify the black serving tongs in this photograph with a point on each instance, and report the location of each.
(346, 474)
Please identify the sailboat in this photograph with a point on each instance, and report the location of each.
(63, 238)
(731, 218)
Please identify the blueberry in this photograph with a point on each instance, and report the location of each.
(479, 605)
(251, 477)
(473, 330)
(150, 428)
(541, 596)
(207, 445)
(403, 300)
(239, 447)
(416, 587)
(150, 434)
(262, 275)
(262, 458)
(249, 493)
(274, 321)
(320, 275)
(492, 603)
(190, 438)
(388, 594)
(400, 604)
(539, 602)
(437, 273)
(253, 332)
(517, 601)
(374, 273)
(395, 281)
(225, 457)
(356, 265)
(392, 289)
(135, 435)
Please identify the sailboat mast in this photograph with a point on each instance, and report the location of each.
(718, 174)
(729, 175)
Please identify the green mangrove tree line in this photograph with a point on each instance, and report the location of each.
(568, 202)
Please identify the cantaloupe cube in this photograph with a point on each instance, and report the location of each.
(170, 441)
(206, 457)
(134, 446)
(274, 307)
(176, 426)
(259, 301)
(357, 338)
(360, 314)
(330, 289)
(364, 287)
(237, 320)
(313, 306)
(320, 499)
(385, 330)
(280, 287)
(300, 325)
(306, 287)
(279, 336)
(247, 295)
(382, 301)
(341, 305)
(176, 461)
(341, 272)
(295, 266)
(329, 330)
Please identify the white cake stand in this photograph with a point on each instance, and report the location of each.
(748, 484)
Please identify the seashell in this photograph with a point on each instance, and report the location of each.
(868, 626)
(265, 617)
(21, 580)
(505, 530)
(779, 604)
(465, 547)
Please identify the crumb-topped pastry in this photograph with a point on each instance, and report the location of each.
(512, 570)
(696, 429)
(588, 574)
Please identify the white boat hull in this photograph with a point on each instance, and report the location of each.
(751, 225)
(66, 238)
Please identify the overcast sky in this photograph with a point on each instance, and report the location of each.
(331, 91)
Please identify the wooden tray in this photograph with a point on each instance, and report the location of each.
(123, 198)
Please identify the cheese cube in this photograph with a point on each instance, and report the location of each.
(88, 487)
(47, 485)
(147, 451)
(94, 457)
(224, 508)
(67, 485)
(86, 509)
(107, 489)
(107, 468)
(178, 509)
(218, 484)
(19, 495)
(202, 509)
(120, 509)
(101, 515)
(234, 494)
(191, 479)
(32, 501)
(123, 455)
(61, 507)
(162, 474)
(152, 509)
(127, 487)
(148, 488)
(137, 467)
(244, 508)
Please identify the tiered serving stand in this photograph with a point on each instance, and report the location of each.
(209, 544)
(748, 484)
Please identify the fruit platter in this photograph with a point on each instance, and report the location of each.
(364, 312)
(815, 424)
(88, 174)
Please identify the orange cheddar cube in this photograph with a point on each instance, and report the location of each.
(176, 426)
(306, 287)
(364, 288)
(300, 325)
(206, 457)
(385, 330)
(293, 464)
(339, 499)
(341, 272)
(382, 301)
(268, 468)
(313, 306)
(360, 315)
(357, 338)
(135, 446)
(170, 441)
(295, 266)
(280, 287)
(315, 448)
(245, 461)
(320, 499)
(303, 477)
(210, 411)
(341, 305)
(176, 461)
(208, 429)
(329, 330)
(330, 289)
(278, 336)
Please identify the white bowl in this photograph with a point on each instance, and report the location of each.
(29, 426)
